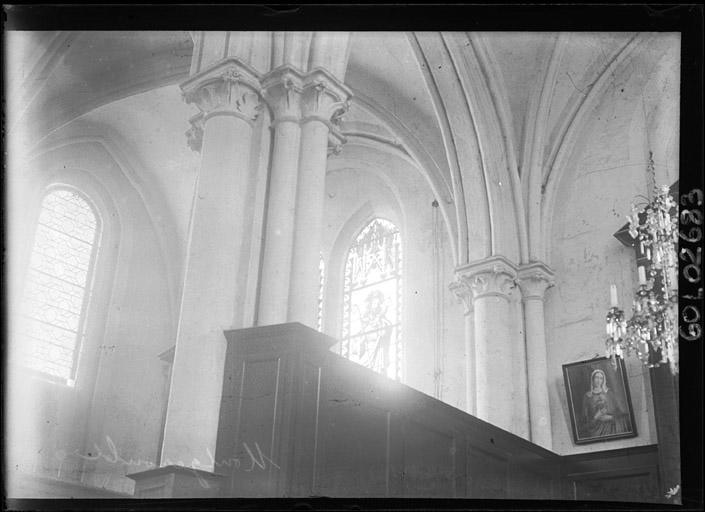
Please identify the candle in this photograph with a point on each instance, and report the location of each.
(613, 295)
(672, 277)
(642, 275)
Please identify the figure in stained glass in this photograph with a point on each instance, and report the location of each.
(372, 305)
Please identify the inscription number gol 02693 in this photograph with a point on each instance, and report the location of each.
(692, 220)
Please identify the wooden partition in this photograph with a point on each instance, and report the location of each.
(299, 420)
(626, 474)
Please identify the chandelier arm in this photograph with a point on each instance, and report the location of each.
(651, 332)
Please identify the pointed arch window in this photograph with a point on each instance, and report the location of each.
(372, 299)
(59, 282)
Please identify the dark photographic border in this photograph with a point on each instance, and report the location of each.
(684, 18)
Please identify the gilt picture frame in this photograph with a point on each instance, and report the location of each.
(599, 401)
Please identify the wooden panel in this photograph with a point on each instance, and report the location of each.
(429, 462)
(304, 432)
(637, 485)
(352, 456)
(338, 429)
(627, 474)
(487, 474)
(664, 387)
(530, 484)
(256, 429)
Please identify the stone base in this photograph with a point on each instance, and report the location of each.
(176, 482)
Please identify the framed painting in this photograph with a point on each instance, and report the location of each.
(598, 400)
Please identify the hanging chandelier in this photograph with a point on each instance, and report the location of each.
(652, 331)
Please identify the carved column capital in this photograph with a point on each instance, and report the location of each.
(229, 87)
(194, 135)
(463, 294)
(493, 276)
(533, 280)
(282, 89)
(336, 140)
(325, 98)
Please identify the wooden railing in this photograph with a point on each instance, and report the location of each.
(299, 420)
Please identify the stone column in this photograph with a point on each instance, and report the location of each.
(227, 96)
(464, 295)
(490, 281)
(534, 279)
(282, 89)
(325, 99)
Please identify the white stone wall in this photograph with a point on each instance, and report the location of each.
(607, 172)
(364, 183)
(91, 432)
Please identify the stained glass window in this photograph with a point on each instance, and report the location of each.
(372, 302)
(57, 289)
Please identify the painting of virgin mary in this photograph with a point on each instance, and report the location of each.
(599, 401)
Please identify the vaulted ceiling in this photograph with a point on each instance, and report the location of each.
(487, 117)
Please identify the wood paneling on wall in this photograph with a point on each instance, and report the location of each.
(299, 420)
(627, 474)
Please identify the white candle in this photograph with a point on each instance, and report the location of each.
(642, 275)
(673, 277)
(613, 295)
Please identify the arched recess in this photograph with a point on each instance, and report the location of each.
(469, 121)
(535, 141)
(366, 181)
(372, 298)
(147, 192)
(503, 114)
(639, 49)
(604, 173)
(335, 254)
(58, 286)
(118, 389)
(58, 422)
(424, 163)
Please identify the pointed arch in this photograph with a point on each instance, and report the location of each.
(59, 283)
(556, 167)
(372, 299)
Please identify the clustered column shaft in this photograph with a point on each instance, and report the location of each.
(282, 90)
(227, 96)
(304, 107)
(487, 284)
(534, 280)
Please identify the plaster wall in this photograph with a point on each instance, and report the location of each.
(607, 173)
(87, 433)
(364, 183)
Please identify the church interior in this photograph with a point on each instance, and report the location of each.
(372, 264)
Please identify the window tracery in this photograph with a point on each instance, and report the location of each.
(58, 286)
(372, 299)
